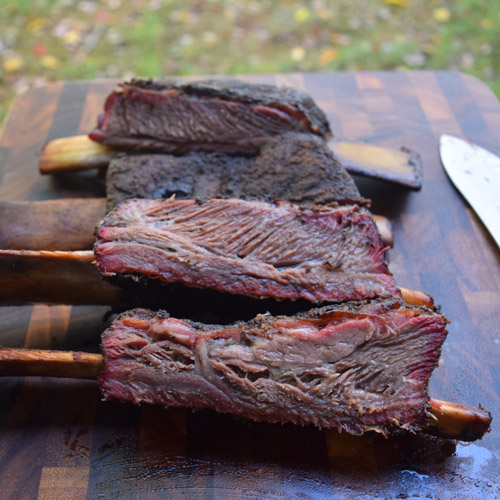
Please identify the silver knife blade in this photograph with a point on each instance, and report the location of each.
(475, 172)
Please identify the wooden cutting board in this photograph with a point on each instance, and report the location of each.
(58, 440)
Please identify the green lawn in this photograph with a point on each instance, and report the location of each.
(43, 40)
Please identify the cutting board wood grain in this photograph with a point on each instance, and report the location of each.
(58, 440)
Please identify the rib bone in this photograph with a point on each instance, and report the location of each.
(68, 224)
(402, 167)
(74, 153)
(451, 420)
(58, 277)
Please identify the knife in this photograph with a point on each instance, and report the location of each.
(475, 172)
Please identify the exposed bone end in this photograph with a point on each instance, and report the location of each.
(385, 229)
(74, 153)
(416, 298)
(455, 421)
(398, 166)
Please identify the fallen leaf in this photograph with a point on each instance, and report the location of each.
(298, 54)
(415, 59)
(442, 14)
(210, 37)
(340, 39)
(328, 56)
(179, 16)
(49, 62)
(87, 7)
(60, 29)
(20, 85)
(113, 36)
(186, 40)
(302, 14)
(384, 13)
(114, 4)
(12, 64)
(230, 14)
(103, 17)
(39, 50)
(72, 38)
(486, 49)
(36, 25)
(323, 14)
(486, 24)
(467, 60)
(397, 3)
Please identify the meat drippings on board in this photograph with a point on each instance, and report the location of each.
(228, 116)
(294, 167)
(352, 367)
(257, 249)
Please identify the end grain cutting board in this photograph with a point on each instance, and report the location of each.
(58, 440)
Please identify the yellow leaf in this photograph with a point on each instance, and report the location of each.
(437, 38)
(340, 39)
(12, 64)
(323, 14)
(298, 54)
(36, 25)
(210, 37)
(230, 14)
(328, 56)
(49, 62)
(486, 24)
(397, 3)
(179, 16)
(442, 14)
(72, 37)
(302, 14)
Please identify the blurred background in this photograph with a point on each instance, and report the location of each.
(46, 40)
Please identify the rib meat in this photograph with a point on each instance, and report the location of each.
(250, 248)
(211, 115)
(295, 167)
(353, 367)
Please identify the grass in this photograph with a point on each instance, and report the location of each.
(45, 40)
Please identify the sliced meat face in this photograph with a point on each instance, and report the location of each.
(257, 249)
(355, 367)
(212, 115)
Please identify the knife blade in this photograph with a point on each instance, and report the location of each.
(475, 172)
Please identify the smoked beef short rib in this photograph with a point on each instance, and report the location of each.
(256, 249)
(228, 116)
(294, 167)
(352, 367)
